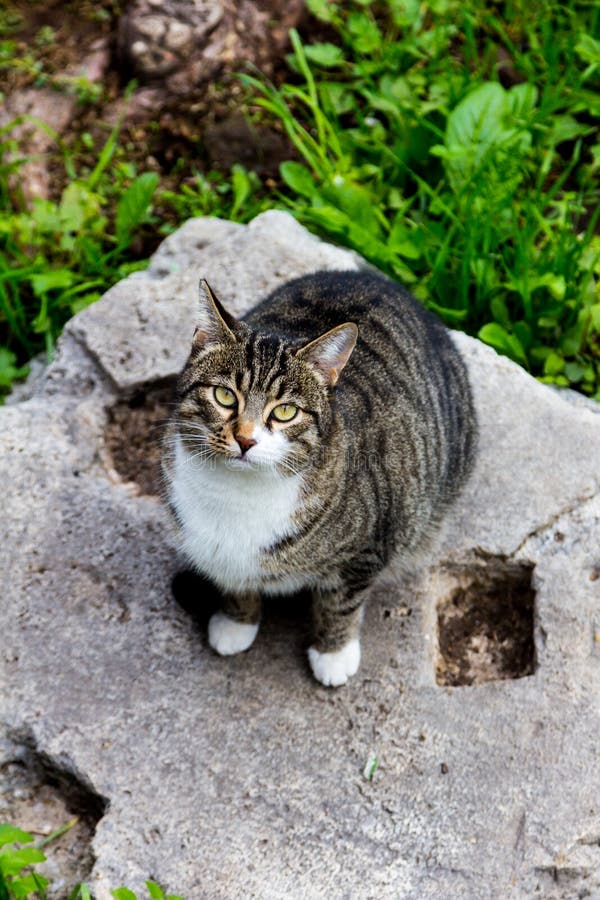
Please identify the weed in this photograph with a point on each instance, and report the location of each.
(56, 257)
(452, 144)
(483, 197)
(239, 197)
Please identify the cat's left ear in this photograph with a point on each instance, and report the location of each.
(214, 325)
(329, 353)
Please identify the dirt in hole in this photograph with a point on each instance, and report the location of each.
(485, 625)
(133, 436)
(40, 797)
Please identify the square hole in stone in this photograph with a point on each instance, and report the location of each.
(485, 621)
(133, 435)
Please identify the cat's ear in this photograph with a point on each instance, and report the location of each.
(214, 325)
(329, 353)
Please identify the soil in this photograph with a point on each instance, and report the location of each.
(177, 126)
(485, 627)
(132, 437)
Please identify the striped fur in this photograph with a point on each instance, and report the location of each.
(372, 462)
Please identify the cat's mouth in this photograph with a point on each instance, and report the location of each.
(243, 462)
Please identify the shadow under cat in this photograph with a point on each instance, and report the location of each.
(199, 598)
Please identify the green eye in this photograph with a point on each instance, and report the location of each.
(285, 412)
(225, 397)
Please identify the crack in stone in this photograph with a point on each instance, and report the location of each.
(39, 792)
(574, 505)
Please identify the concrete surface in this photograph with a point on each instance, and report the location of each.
(227, 778)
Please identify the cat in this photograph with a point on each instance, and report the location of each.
(326, 430)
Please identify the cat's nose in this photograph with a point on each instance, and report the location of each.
(245, 443)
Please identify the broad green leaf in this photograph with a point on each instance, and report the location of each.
(566, 128)
(553, 364)
(595, 316)
(43, 282)
(570, 342)
(298, 178)
(355, 201)
(322, 9)
(81, 892)
(522, 331)
(522, 99)
(539, 353)
(400, 240)
(23, 887)
(482, 135)
(77, 205)
(575, 372)
(10, 372)
(500, 339)
(133, 205)
(8, 833)
(499, 310)
(556, 284)
(588, 49)
(123, 893)
(407, 249)
(83, 301)
(13, 861)
(485, 276)
(589, 373)
(155, 891)
(45, 215)
(326, 55)
(560, 380)
(449, 315)
(478, 119)
(366, 35)
(405, 13)
(338, 97)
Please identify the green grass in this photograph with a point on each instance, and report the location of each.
(58, 256)
(453, 144)
(483, 198)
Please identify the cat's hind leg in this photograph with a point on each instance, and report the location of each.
(234, 627)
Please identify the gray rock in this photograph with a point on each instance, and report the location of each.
(153, 313)
(156, 38)
(186, 44)
(243, 777)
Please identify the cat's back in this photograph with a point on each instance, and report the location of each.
(405, 392)
(388, 317)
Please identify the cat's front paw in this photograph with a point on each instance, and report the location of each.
(334, 669)
(227, 636)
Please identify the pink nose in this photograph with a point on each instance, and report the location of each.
(245, 443)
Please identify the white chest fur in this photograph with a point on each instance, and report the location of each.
(230, 517)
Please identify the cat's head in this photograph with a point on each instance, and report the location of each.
(252, 400)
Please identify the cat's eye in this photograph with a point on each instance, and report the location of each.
(225, 397)
(284, 412)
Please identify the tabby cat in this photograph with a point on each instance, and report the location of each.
(326, 430)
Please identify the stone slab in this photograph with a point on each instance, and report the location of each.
(242, 777)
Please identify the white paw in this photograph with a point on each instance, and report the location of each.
(227, 636)
(333, 669)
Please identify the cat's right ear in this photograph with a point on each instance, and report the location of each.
(214, 325)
